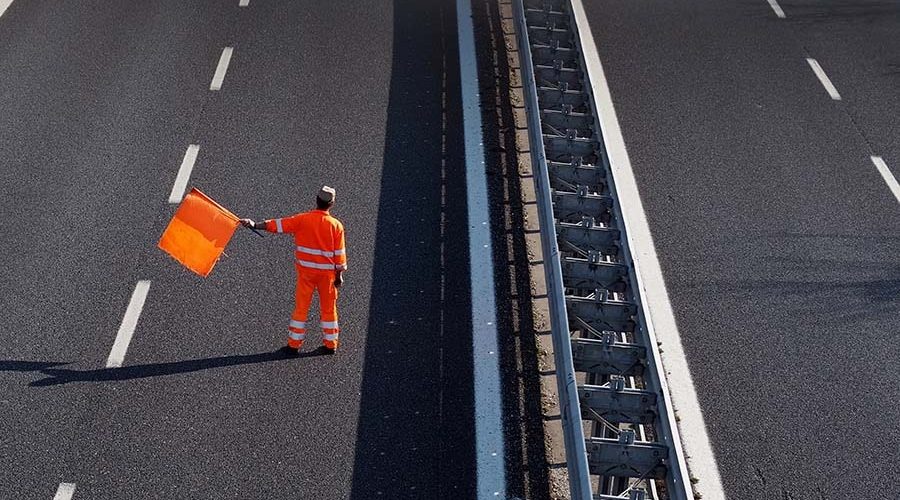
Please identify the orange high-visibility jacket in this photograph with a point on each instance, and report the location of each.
(319, 240)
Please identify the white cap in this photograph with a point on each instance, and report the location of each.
(326, 194)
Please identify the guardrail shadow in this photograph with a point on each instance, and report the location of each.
(415, 435)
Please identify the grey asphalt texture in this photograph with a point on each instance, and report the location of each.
(99, 103)
(779, 241)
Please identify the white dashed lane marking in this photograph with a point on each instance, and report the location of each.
(777, 9)
(888, 177)
(184, 174)
(221, 69)
(65, 491)
(129, 323)
(4, 4)
(826, 82)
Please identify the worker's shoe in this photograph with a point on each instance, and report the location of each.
(290, 351)
(329, 346)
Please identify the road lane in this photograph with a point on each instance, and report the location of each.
(346, 94)
(858, 43)
(96, 104)
(775, 234)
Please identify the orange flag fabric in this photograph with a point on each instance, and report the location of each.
(198, 232)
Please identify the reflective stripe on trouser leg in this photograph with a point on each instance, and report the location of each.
(330, 330)
(328, 301)
(330, 338)
(297, 326)
(295, 338)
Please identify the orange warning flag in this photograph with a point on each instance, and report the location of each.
(198, 232)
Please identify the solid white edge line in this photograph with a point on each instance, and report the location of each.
(244, 3)
(888, 177)
(489, 445)
(4, 4)
(777, 9)
(184, 174)
(129, 323)
(64, 491)
(658, 309)
(823, 78)
(221, 68)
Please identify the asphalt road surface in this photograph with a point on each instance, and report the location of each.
(778, 237)
(100, 102)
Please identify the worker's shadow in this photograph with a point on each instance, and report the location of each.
(57, 376)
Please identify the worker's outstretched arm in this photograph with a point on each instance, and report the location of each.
(271, 225)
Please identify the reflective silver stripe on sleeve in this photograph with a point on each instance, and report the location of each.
(314, 251)
(330, 336)
(339, 252)
(315, 265)
(341, 267)
(297, 324)
(296, 336)
(330, 324)
(278, 226)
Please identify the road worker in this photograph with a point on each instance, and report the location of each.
(320, 260)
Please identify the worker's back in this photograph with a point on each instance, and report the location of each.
(319, 240)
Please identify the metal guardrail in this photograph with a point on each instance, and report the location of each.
(607, 365)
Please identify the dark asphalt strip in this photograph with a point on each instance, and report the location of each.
(415, 437)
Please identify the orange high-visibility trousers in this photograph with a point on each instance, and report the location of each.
(307, 283)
